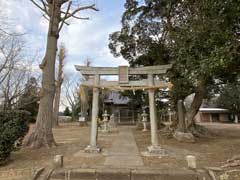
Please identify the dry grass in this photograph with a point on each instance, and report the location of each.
(210, 152)
(71, 140)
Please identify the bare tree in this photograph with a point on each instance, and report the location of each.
(13, 70)
(57, 12)
(11, 89)
(61, 57)
(84, 95)
(13, 85)
(10, 50)
(7, 26)
(71, 94)
(3, 20)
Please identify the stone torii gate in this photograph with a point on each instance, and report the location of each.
(123, 72)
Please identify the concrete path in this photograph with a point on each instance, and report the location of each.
(124, 151)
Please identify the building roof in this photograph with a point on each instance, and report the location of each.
(213, 110)
(116, 99)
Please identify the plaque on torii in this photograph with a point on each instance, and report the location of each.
(123, 75)
(123, 83)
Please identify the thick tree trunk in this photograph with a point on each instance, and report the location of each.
(196, 104)
(186, 129)
(42, 135)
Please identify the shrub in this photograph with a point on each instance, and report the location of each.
(13, 127)
(67, 112)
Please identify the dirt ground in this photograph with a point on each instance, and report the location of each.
(212, 151)
(72, 139)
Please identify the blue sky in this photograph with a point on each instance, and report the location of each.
(83, 39)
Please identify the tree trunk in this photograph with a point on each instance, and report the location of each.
(196, 104)
(61, 57)
(56, 105)
(181, 117)
(84, 101)
(42, 134)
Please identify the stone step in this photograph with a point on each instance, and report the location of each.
(126, 174)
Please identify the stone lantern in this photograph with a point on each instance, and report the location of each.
(105, 121)
(144, 120)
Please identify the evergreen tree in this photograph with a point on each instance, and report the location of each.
(230, 97)
(29, 100)
(200, 39)
(67, 112)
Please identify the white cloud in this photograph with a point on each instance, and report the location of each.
(90, 39)
(19, 29)
(82, 38)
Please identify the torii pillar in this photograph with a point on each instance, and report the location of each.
(93, 147)
(154, 148)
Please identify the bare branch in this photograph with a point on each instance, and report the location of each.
(5, 32)
(68, 15)
(46, 17)
(45, 7)
(81, 18)
(11, 33)
(91, 7)
(64, 19)
(66, 23)
(76, 17)
(64, 1)
(41, 8)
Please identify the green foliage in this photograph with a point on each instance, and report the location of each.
(28, 101)
(142, 41)
(138, 99)
(67, 112)
(205, 45)
(200, 39)
(206, 41)
(230, 97)
(13, 127)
